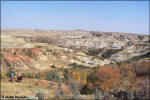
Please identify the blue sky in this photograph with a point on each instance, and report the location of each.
(110, 16)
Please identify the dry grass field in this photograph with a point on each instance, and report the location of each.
(29, 88)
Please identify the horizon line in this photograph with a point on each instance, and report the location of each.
(70, 30)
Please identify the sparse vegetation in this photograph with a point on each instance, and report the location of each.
(147, 55)
(75, 88)
(53, 66)
(37, 46)
(40, 96)
(66, 74)
(140, 37)
(49, 74)
(94, 52)
(53, 76)
(110, 52)
(38, 76)
(76, 66)
(28, 75)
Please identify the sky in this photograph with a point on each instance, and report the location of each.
(108, 16)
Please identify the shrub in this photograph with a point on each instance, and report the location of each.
(140, 37)
(49, 50)
(141, 69)
(75, 88)
(82, 66)
(76, 66)
(40, 96)
(54, 53)
(30, 76)
(27, 75)
(59, 95)
(80, 76)
(60, 69)
(38, 76)
(66, 74)
(87, 89)
(38, 46)
(106, 78)
(110, 78)
(24, 75)
(53, 66)
(53, 76)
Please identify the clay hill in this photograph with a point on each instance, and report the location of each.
(40, 49)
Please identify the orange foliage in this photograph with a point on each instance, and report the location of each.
(107, 78)
(81, 76)
(111, 78)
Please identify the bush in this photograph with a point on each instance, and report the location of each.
(110, 78)
(24, 75)
(27, 75)
(87, 89)
(38, 46)
(38, 76)
(75, 88)
(82, 66)
(80, 76)
(53, 66)
(106, 78)
(53, 76)
(60, 95)
(141, 69)
(76, 66)
(30, 76)
(66, 74)
(40, 96)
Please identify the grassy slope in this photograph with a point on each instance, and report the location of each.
(27, 88)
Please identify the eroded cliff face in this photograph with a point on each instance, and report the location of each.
(20, 58)
(38, 50)
(35, 59)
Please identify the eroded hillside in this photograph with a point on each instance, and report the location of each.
(40, 49)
